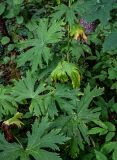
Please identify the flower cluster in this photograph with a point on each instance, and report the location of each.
(89, 27)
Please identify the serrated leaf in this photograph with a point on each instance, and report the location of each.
(111, 126)
(109, 136)
(86, 100)
(9, 151)
(39, 51)
(7, 102)
(75, 125)
(25, 88)
(101, 124)
(76, 50)
(65, 71)
(67, 12)
(100, 156)
(95, 130)
(109, 147)
(40, 139)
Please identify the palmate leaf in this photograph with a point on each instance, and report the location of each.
(39, 51)
(44, 97)
(76, 124)
(66, 71)
(62, 98)
(39, 142)
(10, 151)
(41, 105)
(83, 105)
(92, 9)
(7, 102)
(40, 139)
(59, 98)
(67, 12)
(26, 88)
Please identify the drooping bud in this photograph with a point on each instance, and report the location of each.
(78, 33)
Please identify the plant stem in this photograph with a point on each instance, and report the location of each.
(18, 141)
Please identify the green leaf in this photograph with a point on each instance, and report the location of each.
(17, 2)
(5, 40)
(112, 73)
(40, 138)
(7, 102)
(39, 142)
(114, 155)
(44, 98)
(83, 111)
(101, 124)
(110, 42)
(109, 147)
(19, 19)
(109, 136)
(39, 51)
(2, 8)
(77, 50)
(114, 85)
(62, 98)
(25, 88)
(111, 126)
(10, 151)
(100, 156)
(13, 8)
(114, 107)
(75, 124)
(67, 12)
(95, 130)
(92, 10)
(65, 71)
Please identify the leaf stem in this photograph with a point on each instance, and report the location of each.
(18, 142)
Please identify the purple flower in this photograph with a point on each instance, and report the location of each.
(89, 27)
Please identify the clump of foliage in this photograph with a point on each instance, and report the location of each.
(58, 79)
